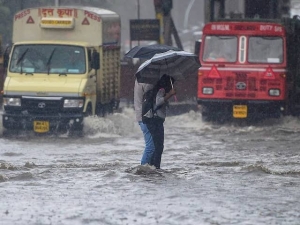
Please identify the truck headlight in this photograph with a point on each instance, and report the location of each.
(274, 92)
(73, 103)
(207, 90)
(11, 101)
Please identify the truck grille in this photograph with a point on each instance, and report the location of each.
(240, 84)
(41, 106)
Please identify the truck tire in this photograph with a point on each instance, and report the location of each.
(6, 132)
(207, 114)
(100, 111)
(213, 115)
(113, 105)
(206, 117)
(116, 104)
(76, 131)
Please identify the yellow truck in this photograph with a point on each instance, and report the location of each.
(64, 65)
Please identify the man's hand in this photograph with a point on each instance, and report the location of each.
(170, 94)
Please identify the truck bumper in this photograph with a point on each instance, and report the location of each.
(56, 122)
(255, 109)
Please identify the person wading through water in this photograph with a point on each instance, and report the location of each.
(139, 90)
(165, 90)
(153, 129)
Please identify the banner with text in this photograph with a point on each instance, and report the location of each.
(144, 30)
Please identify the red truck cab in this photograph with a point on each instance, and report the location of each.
(246, 71)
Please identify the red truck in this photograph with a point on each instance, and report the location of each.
(249, 69)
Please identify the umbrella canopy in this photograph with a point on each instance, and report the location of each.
(177, 64)
(148, 51)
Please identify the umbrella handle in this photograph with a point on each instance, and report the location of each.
(175, 98)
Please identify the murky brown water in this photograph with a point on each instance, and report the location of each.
(211, 174)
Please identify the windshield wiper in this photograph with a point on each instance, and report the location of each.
(21, 59)
(271, 38)
(49, 60)
(226, 37)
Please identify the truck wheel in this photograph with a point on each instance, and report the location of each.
(110, 107)
(212, 115)
(115, 104)
(206, 114)
(100, 111)
(9, 132)
(107, 109)
(206, 117)
(76, 131)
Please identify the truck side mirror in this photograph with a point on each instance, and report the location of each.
(95, 60)
(197, 47)
(5, 60)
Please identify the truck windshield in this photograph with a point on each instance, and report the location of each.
(220, 48)
(50, 59)
(265, 50)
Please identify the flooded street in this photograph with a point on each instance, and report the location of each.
(211, 174)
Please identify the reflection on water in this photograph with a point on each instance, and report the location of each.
(211, 174)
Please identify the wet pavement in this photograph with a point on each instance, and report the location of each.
(211, 174)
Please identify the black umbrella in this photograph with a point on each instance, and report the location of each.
(148, 51)
(177, 64)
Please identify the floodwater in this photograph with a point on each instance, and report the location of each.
(211, 174)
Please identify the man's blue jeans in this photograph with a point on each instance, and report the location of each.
(149, 144)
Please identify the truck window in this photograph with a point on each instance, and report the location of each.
(265, 50)
(220, 48)
(50, 59)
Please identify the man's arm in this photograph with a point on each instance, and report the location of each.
(169, 94)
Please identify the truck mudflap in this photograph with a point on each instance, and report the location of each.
(223, 110)
(43, 123)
